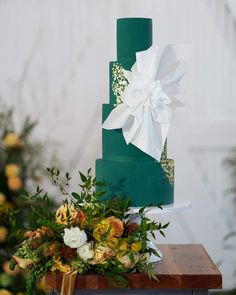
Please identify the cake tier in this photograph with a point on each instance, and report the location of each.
(133, 34)
(143, 179)
(144, 182)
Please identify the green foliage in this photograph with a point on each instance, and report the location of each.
(41, 239)
(21, 159)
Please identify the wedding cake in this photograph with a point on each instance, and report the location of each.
(139, 175)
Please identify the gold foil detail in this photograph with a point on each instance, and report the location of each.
(168, 167)
(119, 82)
(164, 152)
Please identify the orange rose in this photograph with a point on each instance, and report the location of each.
(117, 225)
(14, 183)
(82, 218)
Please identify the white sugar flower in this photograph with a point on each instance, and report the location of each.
(86, 251)
(149, 99)
(74, 237)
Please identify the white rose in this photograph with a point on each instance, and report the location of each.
(74, 237)
(86, 252)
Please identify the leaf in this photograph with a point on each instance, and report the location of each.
(229, 236)
(82, 176)
(76, 196)
(162, 233)
(166, 225)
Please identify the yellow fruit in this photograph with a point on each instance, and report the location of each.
(2, 198)
(12, 170)
(12, 140)
(14, 183)
(5, 292)
(3, 234)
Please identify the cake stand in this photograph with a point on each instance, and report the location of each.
(154, 212)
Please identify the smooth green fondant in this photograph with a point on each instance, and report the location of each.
(144, 180)
(133, 34)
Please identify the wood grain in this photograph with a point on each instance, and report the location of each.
(182, 267)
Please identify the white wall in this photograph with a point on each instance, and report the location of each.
(54, 65)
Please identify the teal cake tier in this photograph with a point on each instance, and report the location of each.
(133, 34)
(144, 179)
(143, 182)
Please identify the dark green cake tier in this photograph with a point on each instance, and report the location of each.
(133, 34)
(144, 179)
(144, 182)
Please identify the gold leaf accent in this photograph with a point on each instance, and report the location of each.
(168, 167)
(164, 152)
(119, 82)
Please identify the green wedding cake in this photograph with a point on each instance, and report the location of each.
(142, 178)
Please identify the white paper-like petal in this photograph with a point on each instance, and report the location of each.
(150, 98)
(117, 117)
(151, 145)
(131, 128)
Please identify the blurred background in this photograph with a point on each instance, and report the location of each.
(54, 59)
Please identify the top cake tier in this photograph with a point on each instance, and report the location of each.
(133, 34)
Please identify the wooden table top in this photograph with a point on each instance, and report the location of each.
(182, 267)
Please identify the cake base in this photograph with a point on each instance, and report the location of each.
(143, 182)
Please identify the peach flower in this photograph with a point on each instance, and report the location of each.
(117, 225)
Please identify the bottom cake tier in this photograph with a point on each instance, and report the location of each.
(144, 183)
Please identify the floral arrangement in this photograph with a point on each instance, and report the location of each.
(20, 162)
(88, 233)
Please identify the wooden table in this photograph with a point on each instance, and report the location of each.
(184, 269)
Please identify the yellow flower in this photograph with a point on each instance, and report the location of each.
(136, 246)
(12, 140)
(5, 292)
(22, 262)
(101, 253)
(14, 183)
(124, 245)
(103, 230)
(2, 198)
(59, 266)
(12, 170)
(65, 214)
(113, 243)
(3, 234)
